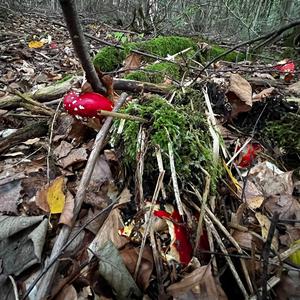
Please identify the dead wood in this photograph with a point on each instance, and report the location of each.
(33, 130)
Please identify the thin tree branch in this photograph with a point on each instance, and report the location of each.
(79, 43)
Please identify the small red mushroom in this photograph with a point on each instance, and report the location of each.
(86, 105)
(180, 247)
(286, 69)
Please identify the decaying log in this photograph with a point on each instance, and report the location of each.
(33, 130)
(45, 94)
(58, 90)
(138, 86)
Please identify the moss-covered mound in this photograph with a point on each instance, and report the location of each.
(187, 130)
(285, 133)
(216, 51)
(156, 73)
(109, 58)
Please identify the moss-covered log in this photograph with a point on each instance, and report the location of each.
(110, 58)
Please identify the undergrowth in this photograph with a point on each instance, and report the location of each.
(186, 129)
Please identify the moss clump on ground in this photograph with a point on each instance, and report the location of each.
(156, 73)
(187, 130)
(216, 51)
(109, 58)
(285, 133)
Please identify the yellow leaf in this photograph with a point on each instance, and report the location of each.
(35, 44)
(233, 179)
(295, 257)
(56, 196)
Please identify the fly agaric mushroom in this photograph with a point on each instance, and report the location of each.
(86, 105)
(180, 246)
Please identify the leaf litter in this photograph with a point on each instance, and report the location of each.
(148, 243)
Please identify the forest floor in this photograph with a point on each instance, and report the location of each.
(192, 193)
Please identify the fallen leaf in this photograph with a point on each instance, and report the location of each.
(130, 258)
(75, 156)
(287, 206)
(246, 240)
(295, 88)
(132, 61)
(252, 195)
(68, 292)
(51, 198)
(265, 224)
(10, 189)
(271, 180)
(200, 284)
(263, 94)
(112, 268)
(35, 44)
(109, 232)
(68, 211)
(239, 94)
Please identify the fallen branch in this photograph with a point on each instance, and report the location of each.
(36, 129)
(64, 234)
(273, 34)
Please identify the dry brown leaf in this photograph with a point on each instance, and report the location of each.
(263, 94)
(252, 195)
(132, 61)
(10, 188)
(246, 240)
(265, 224)
(67, 213)
(286, 205)
(270, 180)
(67, 292)
(295, 88)
(75, 156)
(200, 284)
(130, 257)
(110, 231)
(239, 94)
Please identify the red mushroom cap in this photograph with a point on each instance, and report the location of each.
(86, 105)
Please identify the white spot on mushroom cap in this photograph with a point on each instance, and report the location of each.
(81, 107)
(75, 109)
(75, 101)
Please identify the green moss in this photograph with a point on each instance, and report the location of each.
(65, 78)
(233, 56)
(109, 58)
(156, 73)
(285, 133)
(187, 131)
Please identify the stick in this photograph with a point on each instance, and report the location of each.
(174, 179)
(64, 234)
(54, 259)
(274, 33)
(79, 43)
(121, 116)
(228, 259)
(266, 254)
(149, 220)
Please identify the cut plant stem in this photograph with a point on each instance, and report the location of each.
(174, 179)
(149, 220)
(161, 169)
(202, 211)
(141, 152)
(228, 259)
(121, 116)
